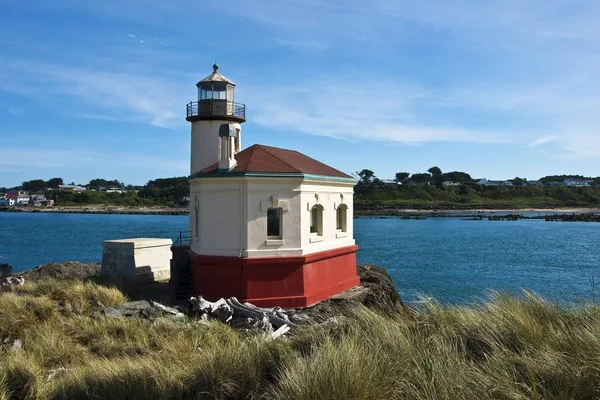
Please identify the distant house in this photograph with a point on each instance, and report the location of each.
(485, 182)
(576, 182)
(8, 200)
(114, 190)
(450, 183)
(70, 188)
(22, 199)
(39, 200)
(390, 183)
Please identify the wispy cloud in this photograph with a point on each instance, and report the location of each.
(122, 94)
(543, 140)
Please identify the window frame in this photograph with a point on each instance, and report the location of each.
(341, 218)
(279, 211)
(316, 218)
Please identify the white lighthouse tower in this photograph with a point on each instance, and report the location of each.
(215, 107)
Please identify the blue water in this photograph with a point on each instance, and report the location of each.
(453, 260)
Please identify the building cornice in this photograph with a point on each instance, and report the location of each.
(309, 177)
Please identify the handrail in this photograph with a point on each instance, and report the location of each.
(215, 107)
(184, 239)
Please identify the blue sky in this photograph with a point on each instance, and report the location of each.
(495, 88)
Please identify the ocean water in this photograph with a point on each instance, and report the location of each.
(452, 260)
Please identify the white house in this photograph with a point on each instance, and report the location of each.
(576, 182)
(268, 225)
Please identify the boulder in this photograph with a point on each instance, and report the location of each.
(62, 270)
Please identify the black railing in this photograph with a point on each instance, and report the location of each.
(216, 108)
(184, 239)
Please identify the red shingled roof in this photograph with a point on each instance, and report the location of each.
(266, 159)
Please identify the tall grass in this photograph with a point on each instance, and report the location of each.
(504, 348)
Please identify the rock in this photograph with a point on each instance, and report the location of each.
(171, 312)
(112, 313)
(376, 291)
(382, 295)
(140, 308)
(16, 345)
(63, 270)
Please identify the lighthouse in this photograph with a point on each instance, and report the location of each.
(215, 107)
(268, 225)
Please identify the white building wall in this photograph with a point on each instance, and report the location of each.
(206, 144)
(219, 210)
(330, 195)
(232, 216)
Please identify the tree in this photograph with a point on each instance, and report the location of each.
(420, 178)
(54, 182)
(435, 172)
(518, 181)
(366, 177)
(36, 185)
(401, 177)
(100, 184)
(456, 177)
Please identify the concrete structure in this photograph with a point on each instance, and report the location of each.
(137, 260)
(268, 225)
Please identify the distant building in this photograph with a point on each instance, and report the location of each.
(8, 200)
(390, 183)
(485, 182)
(576, 182)
(39, 200)
(450, 183)
(71, 188)
(22, 199)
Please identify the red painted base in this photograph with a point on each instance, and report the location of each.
(297, 281)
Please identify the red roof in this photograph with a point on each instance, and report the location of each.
(266, 159)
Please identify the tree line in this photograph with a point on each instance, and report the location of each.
(435, 176)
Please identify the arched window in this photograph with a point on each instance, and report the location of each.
(316, 219)
(341, 215)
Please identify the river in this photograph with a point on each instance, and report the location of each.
(453, 260)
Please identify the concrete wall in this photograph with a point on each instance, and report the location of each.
(232, 216)
(137, 260)
(206, 144)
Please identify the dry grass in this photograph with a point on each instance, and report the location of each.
(505, 348)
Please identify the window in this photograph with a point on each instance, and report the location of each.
(218, 92)
(316, 219)
(274, 223)
(341, 218)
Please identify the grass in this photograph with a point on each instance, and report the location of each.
(505, 348)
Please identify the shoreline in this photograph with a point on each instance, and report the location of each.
(475, 211)
(424, 212)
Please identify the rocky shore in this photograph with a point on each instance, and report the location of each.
(376, 292)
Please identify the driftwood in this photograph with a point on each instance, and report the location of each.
(272, 321)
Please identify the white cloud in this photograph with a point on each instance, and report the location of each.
(543, 140)
(120, 94)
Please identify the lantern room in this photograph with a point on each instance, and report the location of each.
(216, 96)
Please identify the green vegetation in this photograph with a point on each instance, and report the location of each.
(475, 196)
(427, 190)
(505, 348)
(417, 190)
